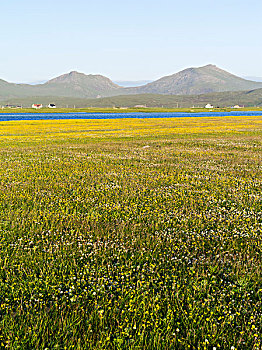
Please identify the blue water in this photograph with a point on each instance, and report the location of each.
(83, 115)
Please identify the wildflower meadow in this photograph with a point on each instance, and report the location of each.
(131, 234)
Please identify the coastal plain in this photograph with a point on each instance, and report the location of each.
(131, 233)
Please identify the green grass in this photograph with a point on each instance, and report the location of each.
(124, 110)
(131, 234)
(222, 99)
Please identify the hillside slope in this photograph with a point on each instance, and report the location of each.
(76, 84)
(221, 99)
(73, 84)
(191, 81)
(200, 80)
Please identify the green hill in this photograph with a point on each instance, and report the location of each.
(221, 99)
(201, 80)
(77, 84)
(192, 81)
(73, 84)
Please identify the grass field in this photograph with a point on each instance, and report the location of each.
(125, 110)
(131, 234)
(109, 110)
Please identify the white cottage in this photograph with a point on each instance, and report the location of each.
(51, 105)
(37, 106)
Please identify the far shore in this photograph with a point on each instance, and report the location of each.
(126, 110)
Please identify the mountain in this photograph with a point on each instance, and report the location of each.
(127, 83)
(191, 81)
(258, 79)
(73, 84)
(200, 80)
(36, 82)
(77, 84)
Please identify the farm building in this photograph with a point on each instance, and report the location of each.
(51, 105)
(37, 106)
(12, 106)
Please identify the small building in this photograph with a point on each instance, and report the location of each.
(140, 106)
(37, 106)
(12, 106)
(51, 105)
(236, 106)
(209, 106)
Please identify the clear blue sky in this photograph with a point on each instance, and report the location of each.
(128, 40)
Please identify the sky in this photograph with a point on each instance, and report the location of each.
(128, 40)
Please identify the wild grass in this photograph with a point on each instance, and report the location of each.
(126, 110)
(131, 234)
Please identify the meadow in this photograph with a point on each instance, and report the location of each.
(125, 110)
(131, 234)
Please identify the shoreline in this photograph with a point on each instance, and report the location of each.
(25, 117)
(127, 110)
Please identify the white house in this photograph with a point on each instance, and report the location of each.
(37, 106)
(209, 106)
(51, 105)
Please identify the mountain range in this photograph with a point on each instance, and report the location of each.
(259, 79)
(132, 83)
(191, 81)
(194, 81)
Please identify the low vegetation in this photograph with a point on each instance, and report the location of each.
(131, 234)
(127, 110)
(220, 99)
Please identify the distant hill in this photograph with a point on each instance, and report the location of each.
(248, 98)
(36, 82)
(127, 83)
(218, 99)
(200, 80)
(79, 85)
(257, 79)
(191, 81)
(73, 84)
